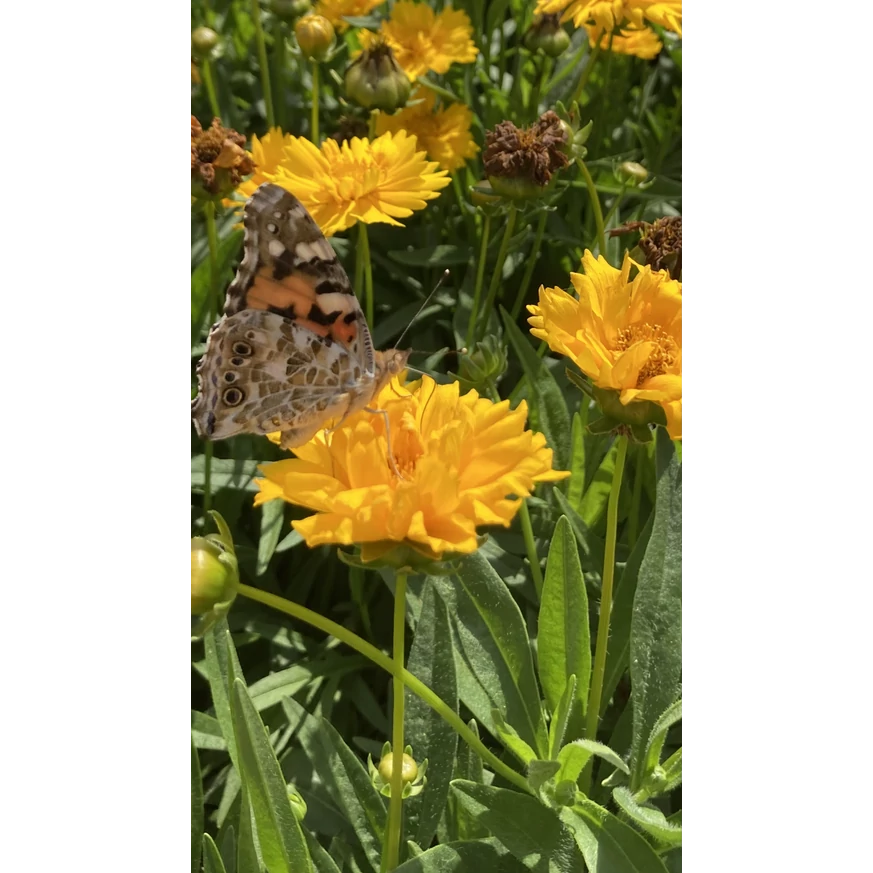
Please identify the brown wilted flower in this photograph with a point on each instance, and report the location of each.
(347, 127)
(520, 162)
(661, 243)
(218, 160)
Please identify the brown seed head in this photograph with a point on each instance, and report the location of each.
(531, 154)
(218, 159)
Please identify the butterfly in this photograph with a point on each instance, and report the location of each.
(292, 351)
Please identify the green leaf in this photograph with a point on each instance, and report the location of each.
(622, 615)
(459, 824)
(206, 732)
(279, 835)
(533, 833)
(561, 717)
(656, 625)
(539, 772)
(591, 547)
(201, 278)
(353, 792)
(576, 483)
(607, 843)
(226, 473)
(650, 819)
(469, 856)
(227, 848)
(604, 752)
(510, 738)
(431, 660)
(563, 637)
(548, 409)
(594, 500)
(432, 256)
(272, 525)
(667, 719)
(222, 667)
(248, 855)
(492, 651)
(197, 814)
(321, 858)
(212, 862)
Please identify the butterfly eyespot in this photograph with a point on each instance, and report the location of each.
(230, 377)
(273, 228)
(237, 362)
(241, 348)
(250, 334)
(232, 396)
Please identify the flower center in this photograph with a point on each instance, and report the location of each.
(661, 358)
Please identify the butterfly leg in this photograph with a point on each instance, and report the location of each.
(384, 415)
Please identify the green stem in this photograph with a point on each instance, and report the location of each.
(599, 669)
(416, 686)
(615, 204)
(595, 205)
(262, 60)
(209, 82)
(603, 97)
(586, 73)
(213, 308)
(480, 274)
(531, 546)
(498, 267)
(364, 271)
(462, 204)
(568, 68)
(314, 130)
(280, 62)
(531, 263)
(391, 852)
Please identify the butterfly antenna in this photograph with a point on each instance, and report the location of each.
(436, 287)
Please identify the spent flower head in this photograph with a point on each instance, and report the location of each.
(218, 160)
(660, 245)
(361, 180)
(625, 335)
(463, 461)
(375, 80)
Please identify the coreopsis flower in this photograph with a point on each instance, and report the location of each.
(336, 11)
(424, 40)
(608, 14)
(521, 162)
(626, 336)
(463, 462)
(218, 159)
(641, 42)
(361, 180)
(443, 133)
(267, 152)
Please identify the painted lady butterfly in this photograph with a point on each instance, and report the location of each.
(293, 350)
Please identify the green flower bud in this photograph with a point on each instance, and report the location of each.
(315, 36)
(290, 10)
(214, 575)
(546, 35)
(412, 775)
(481, 195)
(298, 804)
(375, 81)
(632, 172)
(203, 41)
(408, 769)
(484, 366)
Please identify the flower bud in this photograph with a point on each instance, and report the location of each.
(412, 775)
(375, 81)
(546, 35)
(484, 366)
(290, 10)
(315, 36)
(203, 41)
(408, 769)
(632, 172)
(298, 804)
(214, 575)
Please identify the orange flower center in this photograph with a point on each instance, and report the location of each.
(662, 356)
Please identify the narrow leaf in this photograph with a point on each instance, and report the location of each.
(561, 718)
(563, 639)
(533, 833)
(279, 835)
(197, 813)
(593, 503)
(212, 862)
(272, 524)
(576, 483)
(650, 819)
(222, 666)
(486, 856)
(656, 625)
(655, 744)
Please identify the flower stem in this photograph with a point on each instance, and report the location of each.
(314, 130)
(530, 544)
(212, 310)
(480, 274)
(391, 851)
(209, 82)
(364, 271)
(531, 263)
(262, 60)
(595, 205)
(586, 71)
(498, 268)
(416, 686)
(599, 669)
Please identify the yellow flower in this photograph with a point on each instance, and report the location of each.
(267, 153)
(360, 180)
(642, 42)
(444, 133)
(464, 462)
(626, 336)
(607, 14)
(335, 11)
(423, 40)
